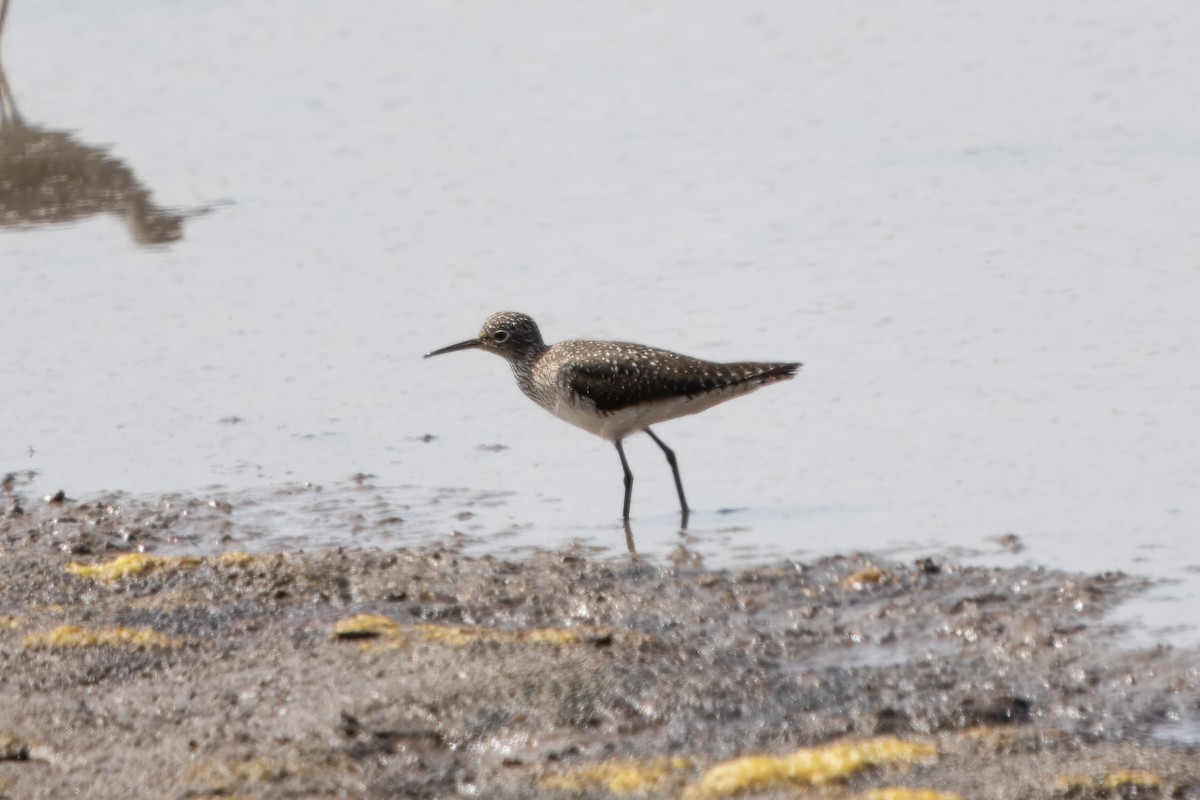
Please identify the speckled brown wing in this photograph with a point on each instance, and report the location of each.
(621, 374)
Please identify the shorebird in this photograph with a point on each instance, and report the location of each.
(615, 389)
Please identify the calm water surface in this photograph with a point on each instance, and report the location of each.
(975, 225)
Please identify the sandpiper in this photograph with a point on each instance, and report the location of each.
(614, 389)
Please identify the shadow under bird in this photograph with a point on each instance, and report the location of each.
(614, 389)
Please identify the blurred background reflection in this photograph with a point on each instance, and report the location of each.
(50, 177)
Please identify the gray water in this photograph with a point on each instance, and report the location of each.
(975, 224)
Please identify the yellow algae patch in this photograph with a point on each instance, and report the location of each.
(463, 635)
(621, 776)
(904, 793)
(127, 566)
(813, 766)
(221, 777)
(364, 626)
(74, 636)
(9, 622)
(558, 636)
(1070, 784)
(867, 576)
(236, 558)
(370, 626)
(1137, 779)
(1140, 779)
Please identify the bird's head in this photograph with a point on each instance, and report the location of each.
(509, 334)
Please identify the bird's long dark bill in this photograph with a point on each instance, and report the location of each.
(467, 345)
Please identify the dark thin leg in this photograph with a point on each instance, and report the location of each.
(674, 471)
(629, 539)
(628, 479)
(3, 13)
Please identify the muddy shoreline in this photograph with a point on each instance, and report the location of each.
(424, 672)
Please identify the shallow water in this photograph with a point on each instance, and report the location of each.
(974, 225)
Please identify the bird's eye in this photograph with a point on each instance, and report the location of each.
(500, 336)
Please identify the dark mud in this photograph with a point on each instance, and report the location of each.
(427, 673)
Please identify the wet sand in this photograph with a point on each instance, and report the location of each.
(425, 672)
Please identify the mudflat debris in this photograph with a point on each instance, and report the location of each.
(425, 672)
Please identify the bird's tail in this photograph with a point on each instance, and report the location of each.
(779, 372)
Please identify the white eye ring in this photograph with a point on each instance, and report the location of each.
(500, 336)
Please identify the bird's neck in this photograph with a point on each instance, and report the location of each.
(522, 367)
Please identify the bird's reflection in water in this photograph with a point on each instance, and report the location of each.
(49, 178)
(682, 548)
